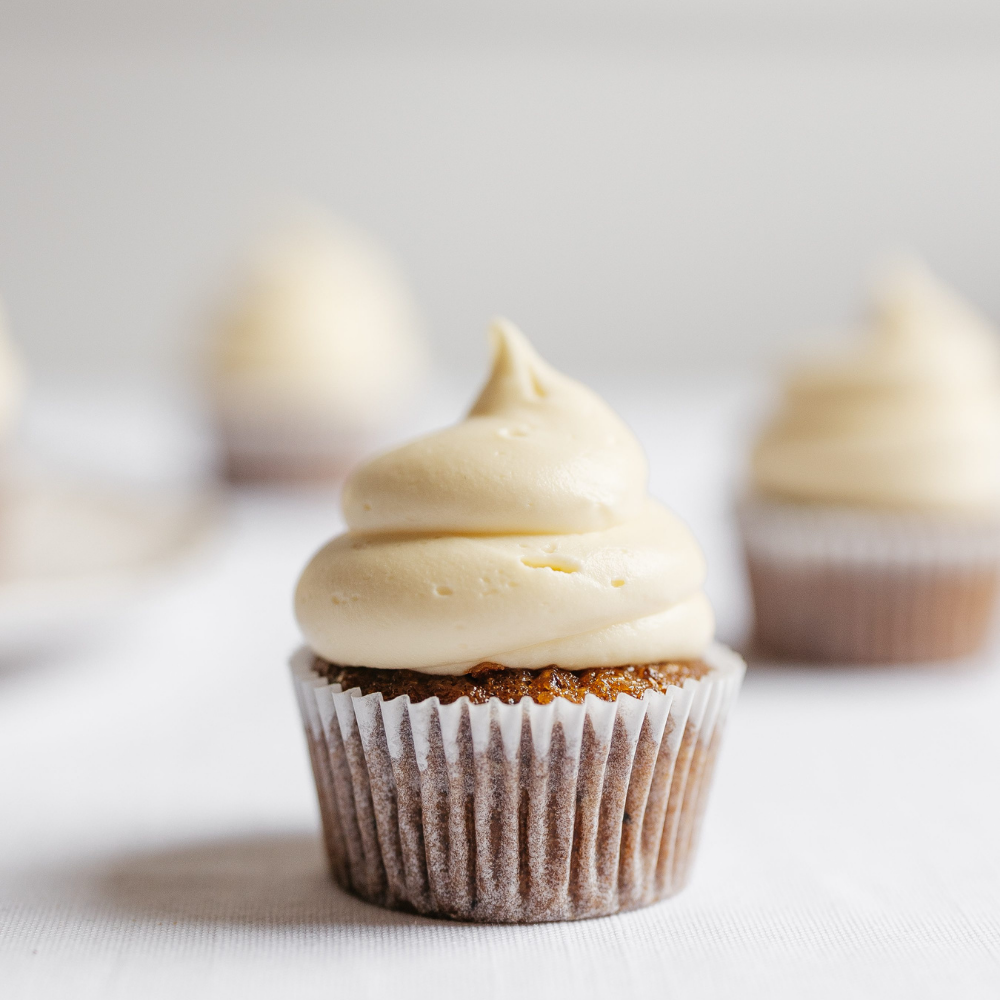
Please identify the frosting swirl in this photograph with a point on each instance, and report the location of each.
(523, 536)
(909, 419)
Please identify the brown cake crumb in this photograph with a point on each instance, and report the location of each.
(490, 680)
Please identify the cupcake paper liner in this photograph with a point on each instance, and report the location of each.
(841, 585)
(514, 813)
(263, 448)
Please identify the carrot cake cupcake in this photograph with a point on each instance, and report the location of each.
(11, 394)
(11, 382)
(872, 529)
(511, 696)
(314, 356)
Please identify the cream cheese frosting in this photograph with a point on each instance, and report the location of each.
(522, 536)
(323, 324)
(909, 419)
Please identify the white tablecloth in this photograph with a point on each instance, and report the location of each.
(158, 833)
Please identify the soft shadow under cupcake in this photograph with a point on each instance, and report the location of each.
(763, 665)
(264, 880)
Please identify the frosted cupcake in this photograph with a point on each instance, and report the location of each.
(872, 532)
(11, 386)
(314, 358)
(511, 696)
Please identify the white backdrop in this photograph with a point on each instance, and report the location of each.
(635, 182)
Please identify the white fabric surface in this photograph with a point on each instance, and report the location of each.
(158, 833)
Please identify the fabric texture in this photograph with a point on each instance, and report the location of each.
(159, 836)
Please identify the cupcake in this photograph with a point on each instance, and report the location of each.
(314, 357)
(510, 693)
(11, 388)
(872, 527)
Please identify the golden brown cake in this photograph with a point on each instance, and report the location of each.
(490, 680)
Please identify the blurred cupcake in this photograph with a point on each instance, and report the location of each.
(511, 696)
(315, 357)
(11, 385)
(872, 531)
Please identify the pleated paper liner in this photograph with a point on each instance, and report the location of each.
(262, 447)
(836, 584)
(514, 813)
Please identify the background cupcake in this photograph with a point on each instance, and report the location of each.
(11, 384)
(511, 697)
(872, 531)
(11, 397)
(318, 352)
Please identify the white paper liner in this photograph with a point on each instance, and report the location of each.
(514, 813)
(262, 446)
(842, 584)
(840, 534)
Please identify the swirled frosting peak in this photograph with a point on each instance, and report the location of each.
(538, 453)
(909, 418)
(522, 536)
